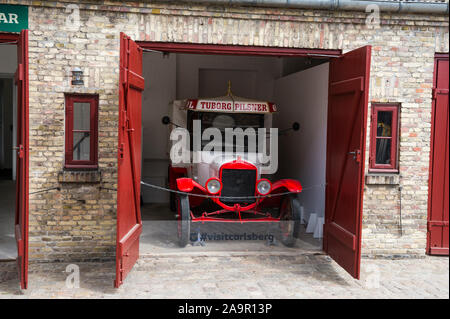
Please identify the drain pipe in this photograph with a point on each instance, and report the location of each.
(352, 5)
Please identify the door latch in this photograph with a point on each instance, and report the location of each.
(356, 155)
(20, 150)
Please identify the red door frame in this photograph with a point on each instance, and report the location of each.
(21, 214)
(222, 49)
(21, 223)
(434, 225)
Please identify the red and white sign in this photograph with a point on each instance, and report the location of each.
(231, 106)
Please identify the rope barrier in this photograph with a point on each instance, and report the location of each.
(195, 195)
(45, 190)
(227, 197)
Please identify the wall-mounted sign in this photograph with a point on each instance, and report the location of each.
(231, 105)
(13, 18)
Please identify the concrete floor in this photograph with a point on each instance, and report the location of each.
(7, 207)
(159, 236)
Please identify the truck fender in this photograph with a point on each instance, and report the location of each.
(286, 185)
(187, 185)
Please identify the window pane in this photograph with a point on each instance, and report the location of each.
(81, 116)
(384, 124)
(81, 146)
(383, 155)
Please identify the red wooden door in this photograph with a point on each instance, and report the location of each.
(437, 238)
(129, 225)
(21, 218)
(347, 125)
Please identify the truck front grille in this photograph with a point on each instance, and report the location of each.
(238, 183)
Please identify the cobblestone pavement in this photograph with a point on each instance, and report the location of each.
(235, 275)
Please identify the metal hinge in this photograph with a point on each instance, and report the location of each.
(434, 223)
(436, 91)
(120, 151)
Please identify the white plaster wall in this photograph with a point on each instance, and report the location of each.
(265, 69)
(303, 97)
(159, 74)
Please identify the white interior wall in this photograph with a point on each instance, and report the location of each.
(160, 88)
(219, 68)
(303, 97)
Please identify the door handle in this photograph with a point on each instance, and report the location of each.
(19, 150)
(356, 155)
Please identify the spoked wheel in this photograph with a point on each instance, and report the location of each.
(183, 219)
(289, 220)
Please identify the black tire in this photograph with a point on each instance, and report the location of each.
(173, 202)
(289, 220)
(183, 220)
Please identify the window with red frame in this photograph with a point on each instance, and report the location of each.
(384, 138)
(81, 131)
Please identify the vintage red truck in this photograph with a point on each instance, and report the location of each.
(228, 186)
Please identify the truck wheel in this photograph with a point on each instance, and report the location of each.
(289, 220)
(183, 220)
(173, 202)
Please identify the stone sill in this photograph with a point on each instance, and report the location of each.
(382, 179)
(67, 176)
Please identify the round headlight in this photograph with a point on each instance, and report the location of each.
(213, 186)
(264, 187)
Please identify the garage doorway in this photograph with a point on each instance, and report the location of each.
(14, 151)
(346, 87)
(289, 82)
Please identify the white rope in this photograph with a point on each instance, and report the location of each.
(227, 197)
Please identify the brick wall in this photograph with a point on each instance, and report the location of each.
(78, 222)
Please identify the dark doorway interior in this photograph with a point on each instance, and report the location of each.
(7, 163)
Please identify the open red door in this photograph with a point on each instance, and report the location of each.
(21, 218)
(346, 136)
(437, 235)
(129, 225)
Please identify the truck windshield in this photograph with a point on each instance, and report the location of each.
(222, 121)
